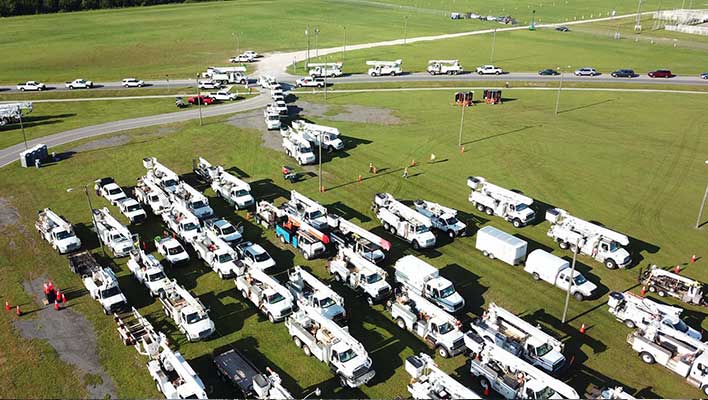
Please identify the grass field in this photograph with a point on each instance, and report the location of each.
(591, 159)
(181, 40)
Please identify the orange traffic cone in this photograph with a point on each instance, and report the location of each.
(63, 298)
(693, 259)
(323, 189)
(7, 306)
(18, 311)
(582, 329)
(358, 179)
(677, 269)
(56, 305)
(462, 150)
(643, 291)
(412, 163)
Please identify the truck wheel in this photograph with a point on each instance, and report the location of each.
(416, 246)
(652, 289)
(221, 274)
(610, 263)
(563, 245)
(489, 211)
(244, 294)
(271, 318)
(484, 383)
(337, 277)
(485, 253)
(629, 324)
(282, 238)
(517, 223)
(159, 388)
(306, 255)
(647, 357)
(105, 311)
(297, 341)
(451, 234)
(536, 276)
(386, 225)
(442, 350)
(661, 293)
(306, 350)
(579, 296)
(392, 229)
(480, 207)
(370, 300)
(401, 323)
(343, 381)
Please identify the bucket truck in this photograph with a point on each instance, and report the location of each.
(218, 255)
(297, 147)
(347, 235)
(12, 113)
(328, 136)
(233, 367)
(331, 344)
(224, 230)
(132, 210)
(496, 200)
(379, 68)
(361, 275)
(320, 70)
(441, 67)
(313, 295)
(233, 190)
(112, 233)
(443, 218)
(266, 293)
(666, 283)
(191, 199)
(273, 122)
(160, 175)
(182, 222)
(637, 311)
(510, 376)
(174, 377)
(55, 230)
(187, 312)
(404, 222)
(424, 279)
(109, 190)
(309, 211)
(438, 329)
(308, 240)
(148, 271)
(100, 282)
(430, 382)
(600, 243)
(150, 195)
(520, 338)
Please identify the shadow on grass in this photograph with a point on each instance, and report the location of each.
(500, 134)
(467, 284)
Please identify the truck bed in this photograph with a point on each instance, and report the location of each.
(83, 263)
(233, 366)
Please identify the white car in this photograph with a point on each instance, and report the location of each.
(586, 71)
(172, 250)
(79, 84)
(255, 256)
(209, 85)
(310, 82)
(132, 82)
(242, 58)
(132, 210)
(223, 95)
(31, 85)
(489, 70)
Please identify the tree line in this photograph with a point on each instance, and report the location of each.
(9, 8)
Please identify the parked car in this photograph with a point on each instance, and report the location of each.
(489, 70)
(548, 71)
(310, 82)
(250, 53)
(206, 100)
(79, 84)
(31, 85)
(241, 58)
(209, 85)
(132, 82)
(704, 75)
(586, 71)
(223, 95)
(562, 28)
(623, 73)
(660, 73)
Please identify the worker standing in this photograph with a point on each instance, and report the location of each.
(371, 167)
(405, 172)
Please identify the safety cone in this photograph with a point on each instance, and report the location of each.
(486, 391)
(693, 259)
(56, 305)
(63, 298)
(677, 269)
(58, 295)
(412, 163)
(7, 306)
(643, 291)
(462, 150)
(582, 329)
(358, 179)
(323, 189)
(18, 311)
(145, 246)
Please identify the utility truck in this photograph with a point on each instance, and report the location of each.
(272, 120)
(224, 230)
(360, 275)
(308, 240)
(518, 337)
(100, 282)
(430, 382)
(12, 112)
(160, 175)
(666, 283)
(379, 68)
(182, 222)
(557, 271)
(442, 67)
(297, 146)
(438, 329)
(331, 344)
(308, 211)
(193, 200)
(489, 70)
(313, 295)
(132, 210)
(233, 367)
(55, 230)
(112, 233)
(320, 70)
(637, 312)
(79, 84)
(265, 292)
(423, 279)
(233, 190)
(495, 243)
(109, 190)
(150, 195)
(227, 75)
(402, 221)
(135, 330)
(349, 236)
(148, 271)
(174, 377)
(218, 255)
(496, 200)
(510, 376)
(187, 312)
(172, 250)
(327, 136)
(255, 256)
(442, 218)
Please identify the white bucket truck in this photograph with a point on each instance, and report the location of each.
(379, 68)
(557, 271)
(329, 70)
(328, 136)
(100, 282)
(272, 119)
(600, 243)
(193, 200)
(496, 200)
(148, 271)
(360, 275)
(132, 210)
(333, 345)
(666, 283)
(297, 147)
(233, 190)
(443, 218)
(520, 338)
(218, 255)
(160, 175)
(495, 243)
(266, 293)
(422, 278)
(55, 230)
(430, 382)
(442, 67)
(174, 377)
(112, 233)
(150, 195)
(404, 222)
(637, 312)
(309, 211)
(435, 327)
(313, 295)
(182, 222)
(187, 312)
(347, 235)
(227, 75)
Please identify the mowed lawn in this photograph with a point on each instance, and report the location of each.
(603, 158)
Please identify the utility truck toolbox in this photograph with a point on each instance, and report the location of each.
(494, 243)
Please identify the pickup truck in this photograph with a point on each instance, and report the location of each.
(255, 256)
(233, 367)
(224, 230)
(209, 85)
(109, 189)
(489, 70)
(223, 95)
(79, 84)
(148, 271)
(310, 82)
(206, 100)
(241, 58)
(31, 85)
(132, 210)
(132, 82)
(172, 250)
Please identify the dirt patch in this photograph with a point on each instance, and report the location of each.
(111, 141)
(162, 131)
(9, 215)
(73, 338)
(351, 113)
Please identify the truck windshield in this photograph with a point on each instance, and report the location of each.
(134, 207)
(241, 193)
(63, 235)
(347, 355)
(189, 226)
(678, 325)
(373, 278)
(421, 229)
(110, 292)
(305, 149)
(114, 191)
(175, 250)
(543, 349)
(314, 214)
(445, 328)
(579, 280)
(327, 302)
(157, 276)
(194, 317)
(521, 207)
(451, 221)
(224, 258)
(545, 393)
(447, 292)
(275, 298)
(198, 204)
(260, 257)
(168, 183)
(614, 246)
(229, 229)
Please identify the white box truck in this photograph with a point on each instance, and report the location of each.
(495, 243)
(556, 271)
(424, 279)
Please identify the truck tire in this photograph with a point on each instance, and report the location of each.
(22, 89)
(444, 353)
(271, 318)
(282, 238)
(105, 311)
(451, 234)
(159, 388)
(244, 294)
(306, 350)
(629, 324)
(480, 207)
(306, 255)
(578, 296)
(386, 225)
(610, 263)
(337, 277)
(485, 253)
(415, 244)
(297, 341)
(647, 357)
(343, 381)
(484, 383)
(392, 229)
(536, 276)
(369, 300)
(71, 87)
(563, 244)
(516, 222)
(705, 390)
(652, 289)
(489, 211)
(401, 323)
(221, 274)
(661, 293)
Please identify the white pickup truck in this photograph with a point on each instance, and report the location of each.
(172, 250)
(223, 95)
(255, 256)
(148, 271)
(79, 84)
(31, 85)
(489, 70)
(132, 210)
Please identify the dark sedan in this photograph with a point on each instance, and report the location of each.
(624, 73)
(704, 75)
(549, 71)
(660, 73)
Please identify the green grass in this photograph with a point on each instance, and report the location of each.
(597, 158)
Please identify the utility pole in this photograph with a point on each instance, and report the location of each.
(22, 126)
(93, 220)
(560, 87)
(325, 85)
(405, 29)
(494, 43)
(317, 47)
(703, 203)
(344, 47)
(199, 101)
(167, 78)
(307, 35)
(319, 175)
(570, 281)
(638, 24)
(462, 124)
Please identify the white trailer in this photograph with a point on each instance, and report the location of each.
(495, 243)
(309, 211)
(434, 326)
(266, 293)
(333, 345)
(191, 199)
(442, 67)
(297, 147)
(182, 222)
(100, 282)
(424, 279)
(666, 283)
(174, 377)
(404, 222)
(218, 255)
(314, 296)
(430, 382)
(55, 230)
(600, 243)
(112, 233)
(379, 68)
(160, 175)
(135, 330)
(443, 218)
(151, 195)
(347, 235)
(637, 312)
(520, 338)
(148, 271)
(360, 275)
(187, 312)
(543, 265)
(320, 70)
(496, 200)
(328, 136)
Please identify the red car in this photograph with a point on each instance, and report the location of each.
(206, 100)
(660, 73)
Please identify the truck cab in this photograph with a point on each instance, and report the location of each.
(310, 246)
(608, 249)
(224, 230)
(255, 256)
(64, 240)
(172, 250)
(183, 223)
(59, 233)
(272, 119)
(132, 210)
(196, 324)
(267, 294)
(120, 244)
(424, 279)
(109, 189)
(443, 292)
(102, 285)
(148, 271)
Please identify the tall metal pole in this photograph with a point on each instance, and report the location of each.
(199, 101)
(325, 83)
(93, 220)
(405, 29)
(638, 24)
(494, 43)
(167, 78)
(307, 35)
(462, 124)
(319, 175)
(344, 47)
(560, 87)
(317, 47)
(22, 126)
(703, 203)
(570, 281)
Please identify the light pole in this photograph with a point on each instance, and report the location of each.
(462, 124)
(317, 48)
(344, 47)
(199, 101)
(560, 87)
(638, 24)
(93, 219)
(494, 43)
(167, 78)
(405, 29)
(319, 175)
(570, 281)
(532, 27)
(307, 35)
(703, 203)
(22, 126)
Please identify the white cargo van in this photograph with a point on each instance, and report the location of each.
(556, 271)
(494, 243)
